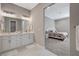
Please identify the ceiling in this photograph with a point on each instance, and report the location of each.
(28, 6)
(57, 11)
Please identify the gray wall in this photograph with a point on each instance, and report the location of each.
(74, 20)
(38, 23)
(7, 24)
(62, 25)
(49, 24)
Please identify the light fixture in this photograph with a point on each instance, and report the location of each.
(8, 14)
(25, 18)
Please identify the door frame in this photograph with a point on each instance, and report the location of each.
(44, 21)
(44, 24)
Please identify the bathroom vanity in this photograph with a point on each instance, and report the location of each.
(15, 31)
(15, 40)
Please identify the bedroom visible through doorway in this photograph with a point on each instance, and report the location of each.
(57, 29)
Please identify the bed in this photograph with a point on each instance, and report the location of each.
(57, 35)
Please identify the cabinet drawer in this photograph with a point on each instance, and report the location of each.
(31, 36)
(5, 44)
(19, 42)
(25, 37)
(13, 43)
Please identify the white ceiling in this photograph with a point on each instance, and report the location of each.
(28, 6)
(57, 11)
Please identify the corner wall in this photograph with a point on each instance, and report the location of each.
(38, 23)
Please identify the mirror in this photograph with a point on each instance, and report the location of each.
(57, 30)
(15, 25)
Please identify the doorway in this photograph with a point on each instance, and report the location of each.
(57, 29)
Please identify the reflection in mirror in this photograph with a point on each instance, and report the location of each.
(15, 25)
(57, 29)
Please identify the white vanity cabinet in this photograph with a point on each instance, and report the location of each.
(25, 39)
(5, 43)
(14, 41)
(31, 37)
(19, 40)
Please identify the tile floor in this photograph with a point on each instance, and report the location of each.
(31, 50)
(61, 48)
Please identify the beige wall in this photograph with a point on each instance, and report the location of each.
(74, 20)
(38, 23)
